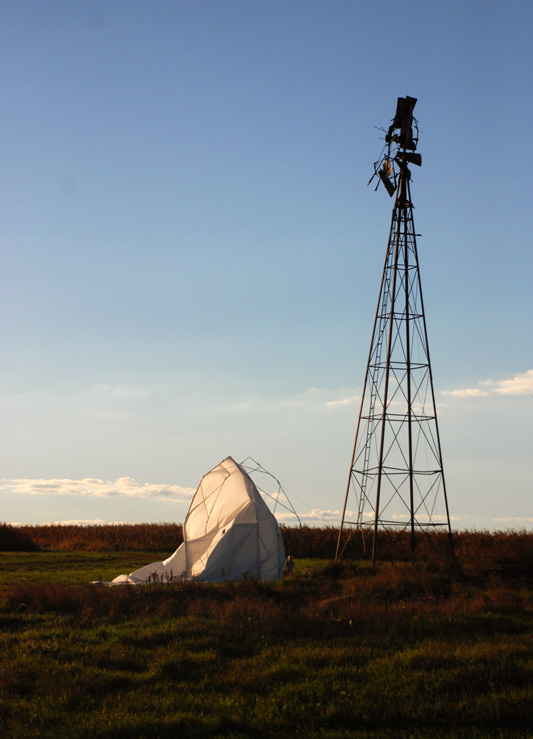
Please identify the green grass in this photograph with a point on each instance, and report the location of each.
(83, 567)
(330, 652)
(70, 567)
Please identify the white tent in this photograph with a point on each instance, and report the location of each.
(229, 534)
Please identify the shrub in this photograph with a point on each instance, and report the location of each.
(143, 537)
(16, 539)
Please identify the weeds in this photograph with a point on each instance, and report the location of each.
(477, 552)
(415, 651)
(16, 539)
(109, 537)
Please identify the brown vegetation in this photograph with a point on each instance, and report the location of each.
(145, 537)
(340, 594)
(415, 650)
(16, 539)
(476, 552)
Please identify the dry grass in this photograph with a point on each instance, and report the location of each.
(422, 650)
(476, 552)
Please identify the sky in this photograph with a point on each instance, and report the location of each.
(191, 255)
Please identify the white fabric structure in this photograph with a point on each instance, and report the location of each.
(229, 534)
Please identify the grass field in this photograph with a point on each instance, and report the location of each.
(334, 651)
(60, 567)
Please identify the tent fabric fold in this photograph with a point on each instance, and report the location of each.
(229, 534)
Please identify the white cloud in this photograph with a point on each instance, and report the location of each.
(123, 486)
(87, 522)
(319, 518)
(311, 400)
(121, 392)
(343, 401)
(466, 393)
(520, 384)
(514, 520)
(422, 518)
(315, 517)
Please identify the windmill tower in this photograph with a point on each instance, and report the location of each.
(396, 489)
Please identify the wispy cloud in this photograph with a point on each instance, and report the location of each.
(515, 520)
(344, 401)
(314, 400)
(520, 384)
(322, 398)
(123, 486)
(473, 392)
(422, 518)
(87, 522)
(319, 518)
(314, 517)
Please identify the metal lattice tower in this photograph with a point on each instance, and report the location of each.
(396, 481)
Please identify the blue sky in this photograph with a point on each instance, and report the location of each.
(191, 257)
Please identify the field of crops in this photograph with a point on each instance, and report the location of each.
(409, 650)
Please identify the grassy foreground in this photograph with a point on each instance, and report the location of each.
(334, 651)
